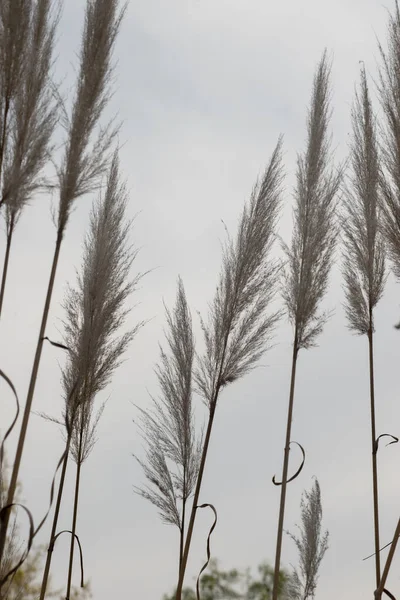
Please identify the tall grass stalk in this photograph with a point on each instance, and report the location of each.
(389, 93)
(239, 323)
(364, 256)
(309, 258)
(32, 119)
(95, 312)
(168, 429)
(81, 167)
(53, 533)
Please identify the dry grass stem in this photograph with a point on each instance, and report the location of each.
(364, 257)
(240, 322)
(310, 255)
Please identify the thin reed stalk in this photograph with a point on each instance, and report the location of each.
(310, 256)
(239, 325)
(364, 257)
(286, 463)
(182, 536)
(74, 517)
(375, 494)
(53, 532)
(69, 420)
(183, 560)
(10, 231)
(80, 170)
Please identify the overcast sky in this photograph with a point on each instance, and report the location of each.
(204, 88)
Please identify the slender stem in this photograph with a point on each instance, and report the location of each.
(55, 522)
(285, 472)
(182, 534)
(181, 537)
(374, 452)
(4, 132)
(196, 499)
(6, 260)
(388, 564)
(74, 518)
(29, 399)
(213, 406)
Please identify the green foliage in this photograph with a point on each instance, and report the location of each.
(187, 594)
(220, 585)
(217, 584)
(261, 589)
(24, 585)
(78, 593)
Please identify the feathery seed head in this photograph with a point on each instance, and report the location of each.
(311, 545)
(238, 325)
(169, 429)
(96, 308)
(82, 167)
(33, 114)
(389, 92)
(364, 259)
(310, 255)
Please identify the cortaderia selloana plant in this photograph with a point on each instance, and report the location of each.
(389, 94)
(30, 107)
(364, 253)
(96, 310)
(311, 544)
(168, 429)
(240, 321)
(82, 165)
(310, 255)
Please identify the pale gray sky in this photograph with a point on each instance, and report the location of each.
(204, 88)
